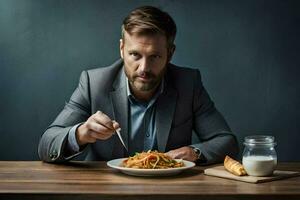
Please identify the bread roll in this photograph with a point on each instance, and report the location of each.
(234, 166)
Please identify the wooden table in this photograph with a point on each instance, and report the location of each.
(94, 180)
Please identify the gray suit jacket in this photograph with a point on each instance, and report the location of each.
(182, 108)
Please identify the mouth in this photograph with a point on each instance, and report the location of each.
(144, 78)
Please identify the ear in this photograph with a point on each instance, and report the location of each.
(171, 52)
(122, 48)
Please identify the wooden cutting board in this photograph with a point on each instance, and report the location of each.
(220, 171)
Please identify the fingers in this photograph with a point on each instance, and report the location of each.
(185, 153)
(100, 127)
(175, 154)
(94, 136)
(103, 119)
(99, 136)
(116, 125)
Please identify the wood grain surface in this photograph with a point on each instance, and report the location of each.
(94, 180)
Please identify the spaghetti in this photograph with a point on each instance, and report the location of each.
(151, 160)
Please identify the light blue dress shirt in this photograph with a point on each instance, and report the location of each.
(141, 127)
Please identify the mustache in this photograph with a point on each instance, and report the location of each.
(144, 74)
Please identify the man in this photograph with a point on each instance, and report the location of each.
(156, 104)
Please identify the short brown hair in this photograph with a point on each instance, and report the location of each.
(150, 20)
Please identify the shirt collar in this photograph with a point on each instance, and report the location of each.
(132, 99)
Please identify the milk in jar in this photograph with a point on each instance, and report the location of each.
(259, 165)
(259, 156)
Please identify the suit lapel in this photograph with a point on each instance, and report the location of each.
(120, 110)
(165, 109)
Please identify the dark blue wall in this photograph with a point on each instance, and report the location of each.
(248, 53)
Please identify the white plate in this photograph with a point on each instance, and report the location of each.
(116, 164)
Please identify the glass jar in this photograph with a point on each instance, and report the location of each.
(259, 156)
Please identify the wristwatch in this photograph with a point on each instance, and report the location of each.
(197, 152)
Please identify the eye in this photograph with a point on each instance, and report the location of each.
(135, 55)
(155, 56)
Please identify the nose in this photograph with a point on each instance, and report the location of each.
(144, 65)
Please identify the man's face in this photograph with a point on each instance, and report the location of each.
(145, 58)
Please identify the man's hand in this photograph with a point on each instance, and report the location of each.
(98, 127)
(186, 153)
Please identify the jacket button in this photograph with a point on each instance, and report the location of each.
(54, 153)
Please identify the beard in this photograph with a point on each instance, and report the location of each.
(145, 81)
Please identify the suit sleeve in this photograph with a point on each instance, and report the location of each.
(53, 143)
(216, 138)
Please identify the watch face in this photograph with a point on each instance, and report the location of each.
(198, 152)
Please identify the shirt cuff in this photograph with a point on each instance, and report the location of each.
(72, 142)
